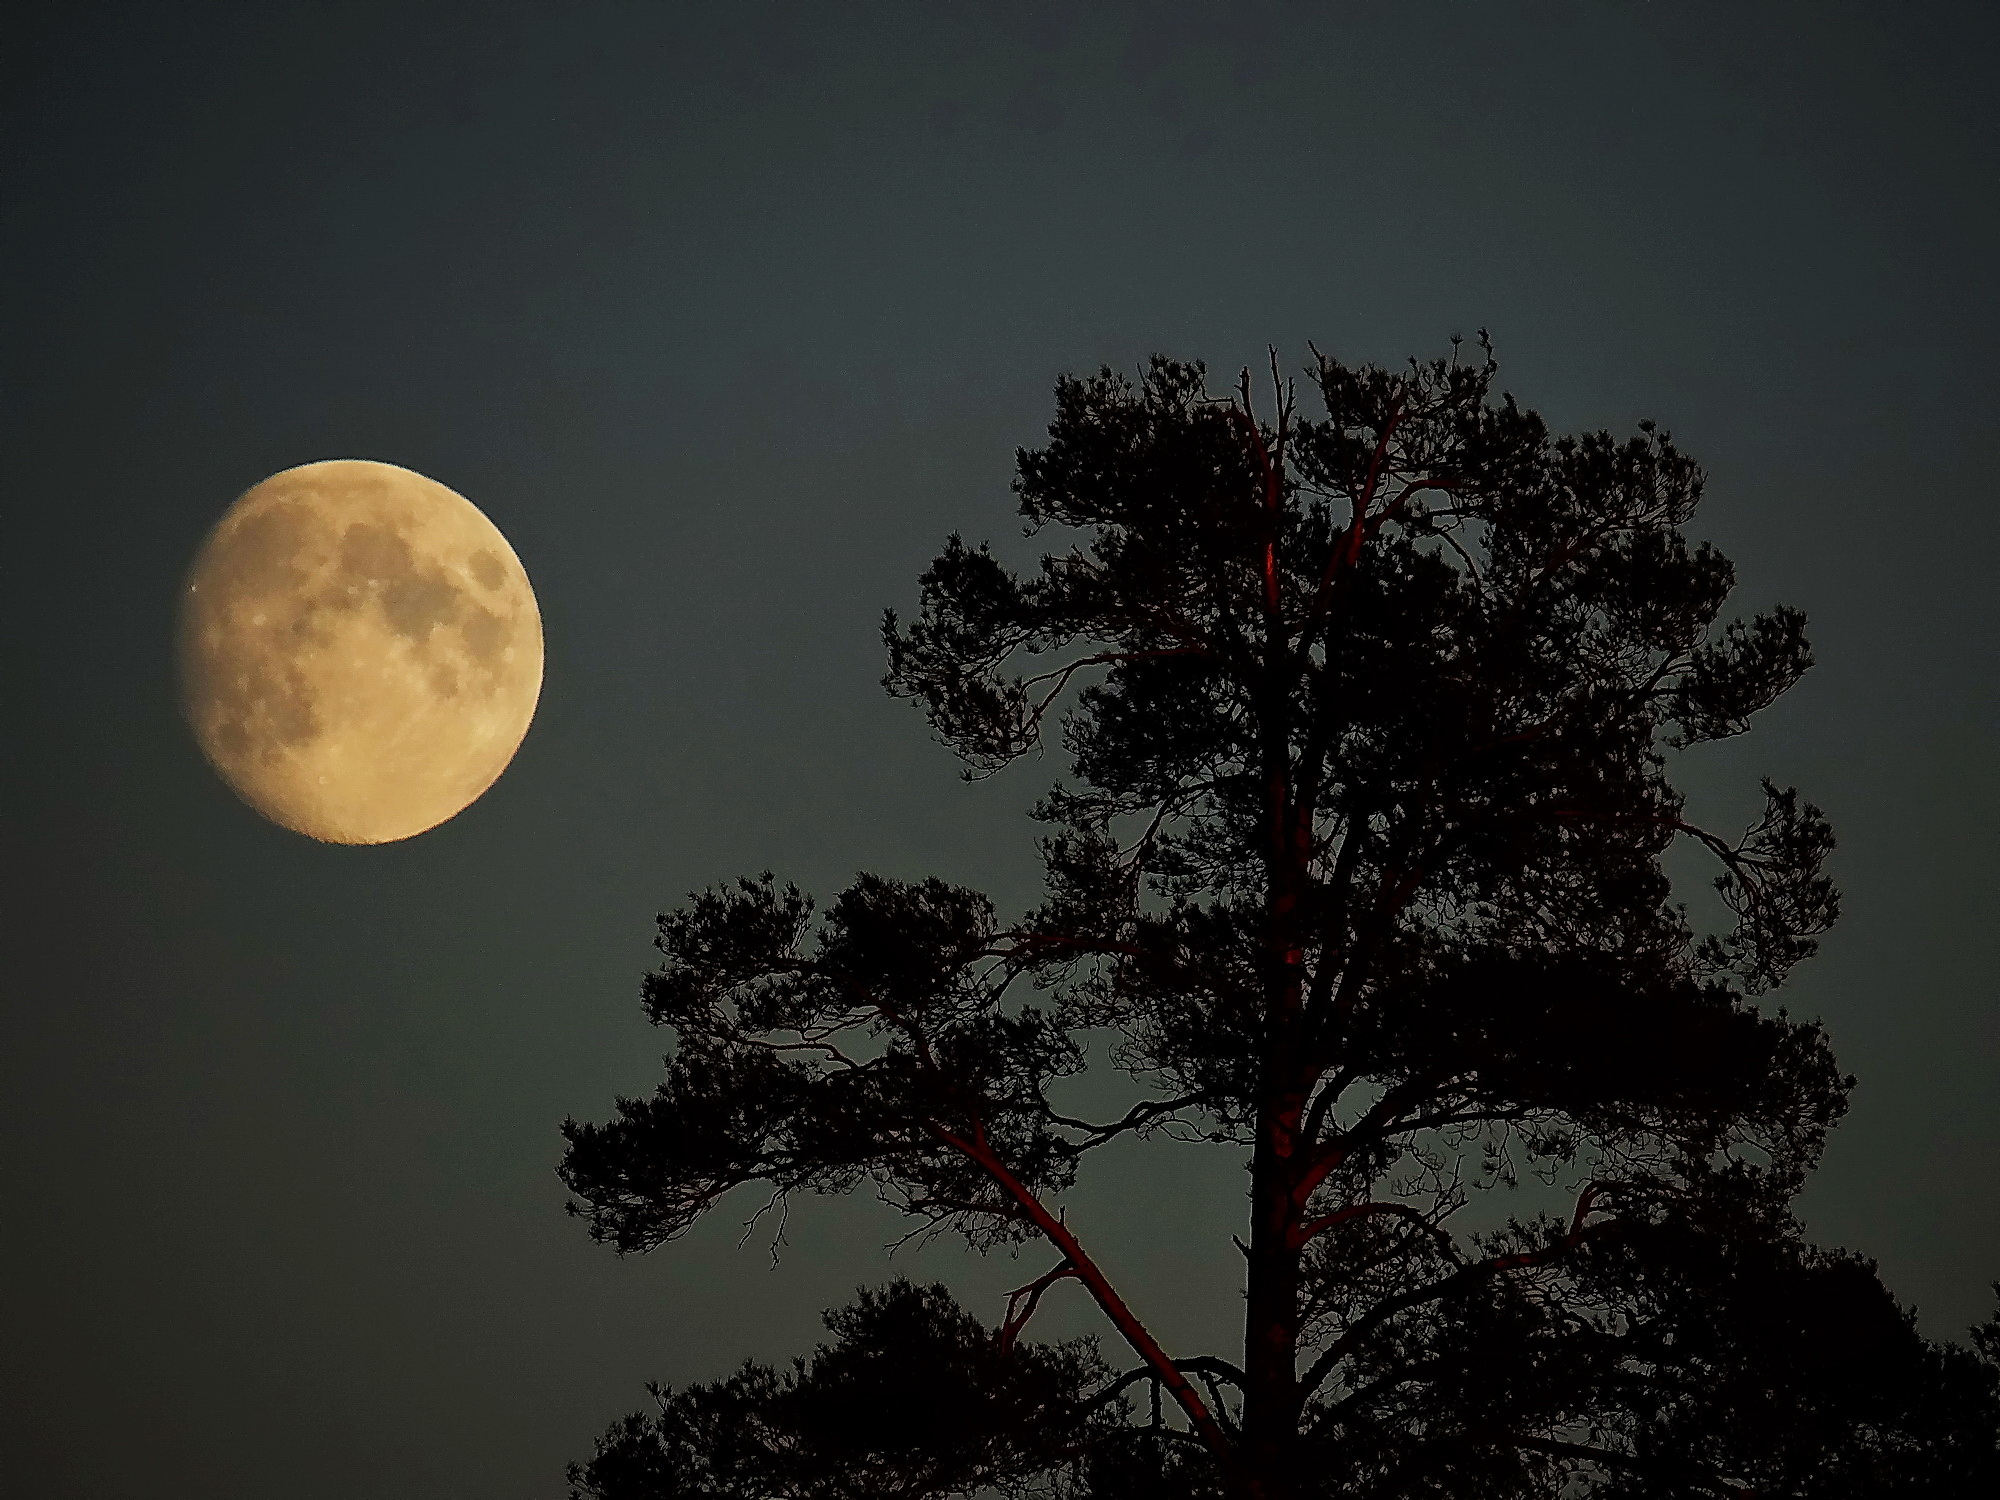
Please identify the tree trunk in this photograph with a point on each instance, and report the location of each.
(1271, 1398)
(1271, 1314)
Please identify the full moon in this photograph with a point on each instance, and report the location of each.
(360, 651)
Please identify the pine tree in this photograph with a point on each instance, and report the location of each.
(1369, 718)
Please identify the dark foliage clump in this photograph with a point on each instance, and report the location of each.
(913, 1397)
(1369, 717)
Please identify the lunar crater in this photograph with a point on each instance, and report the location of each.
(487, 570)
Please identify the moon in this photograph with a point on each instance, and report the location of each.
(360, 651)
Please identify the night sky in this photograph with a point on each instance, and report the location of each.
(727, 315)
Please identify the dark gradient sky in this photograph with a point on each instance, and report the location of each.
(726, 315)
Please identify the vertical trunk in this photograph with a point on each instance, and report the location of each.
(1268, 1459)
(1271, 1399)
(1271, 1313)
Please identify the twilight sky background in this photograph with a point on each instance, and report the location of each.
(727, 315)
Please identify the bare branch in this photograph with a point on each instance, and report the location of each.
(1135, 1118)
(1023, 1300)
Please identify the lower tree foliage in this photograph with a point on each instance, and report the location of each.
(1358, 868)
(913, 1397)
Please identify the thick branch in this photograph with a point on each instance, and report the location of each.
(1088, 1272)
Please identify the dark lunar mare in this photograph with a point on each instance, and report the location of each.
(1369, 716)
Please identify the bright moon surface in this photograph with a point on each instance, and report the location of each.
(360, 651)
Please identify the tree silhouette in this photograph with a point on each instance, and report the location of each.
(1369, 717)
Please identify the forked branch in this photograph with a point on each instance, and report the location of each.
(1023, 1300)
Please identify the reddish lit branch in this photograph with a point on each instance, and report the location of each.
(1087, 1271)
